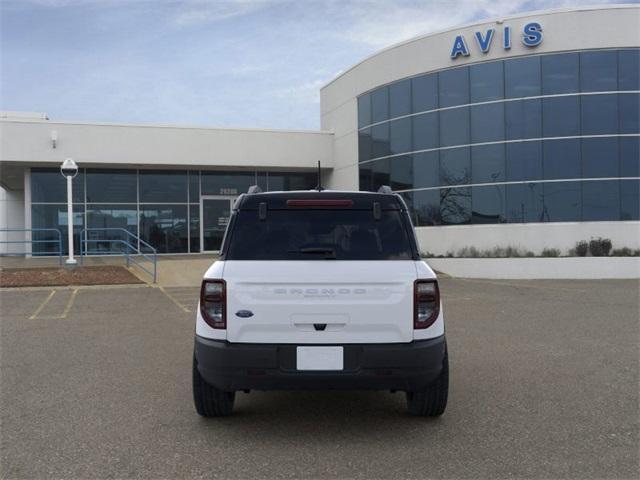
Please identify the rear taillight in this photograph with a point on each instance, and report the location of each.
(426, 303)
(213, 303)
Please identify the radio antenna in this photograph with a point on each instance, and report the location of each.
(319, 187)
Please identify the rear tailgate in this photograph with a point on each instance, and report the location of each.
(320, 302)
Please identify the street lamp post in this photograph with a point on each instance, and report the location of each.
(69, 170)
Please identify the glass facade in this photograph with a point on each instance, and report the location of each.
(544, 138)
(162, 207)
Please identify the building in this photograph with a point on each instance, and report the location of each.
(522, 131)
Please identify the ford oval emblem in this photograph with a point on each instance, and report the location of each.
(244, 313)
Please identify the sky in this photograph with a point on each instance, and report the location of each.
(226, 63)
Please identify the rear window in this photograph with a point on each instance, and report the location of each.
(319, 235)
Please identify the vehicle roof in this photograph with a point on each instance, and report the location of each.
(361, 200)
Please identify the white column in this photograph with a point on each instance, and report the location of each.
(70, 260)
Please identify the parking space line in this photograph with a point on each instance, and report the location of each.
(174, 300)
(42, 305)
(69, 304)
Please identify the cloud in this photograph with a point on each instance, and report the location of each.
(193, 12)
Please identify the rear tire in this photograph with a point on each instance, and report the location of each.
(210, 401)
(432, 401)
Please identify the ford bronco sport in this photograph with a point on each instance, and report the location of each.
(320, 290)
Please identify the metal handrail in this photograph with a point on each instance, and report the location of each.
(128, 252)
(31, 241)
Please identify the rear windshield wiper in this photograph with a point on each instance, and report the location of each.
(329, 252)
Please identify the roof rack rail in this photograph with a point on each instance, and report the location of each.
(385, 189)
(254, 189)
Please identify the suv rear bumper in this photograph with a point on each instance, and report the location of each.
(386, 366)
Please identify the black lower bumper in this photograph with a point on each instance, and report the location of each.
(389, 366)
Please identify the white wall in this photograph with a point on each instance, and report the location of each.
(11, 216)
(528, 236)
(105, 144)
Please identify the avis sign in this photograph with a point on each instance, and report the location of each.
(531, 37)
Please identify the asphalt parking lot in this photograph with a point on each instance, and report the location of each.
(96, 383)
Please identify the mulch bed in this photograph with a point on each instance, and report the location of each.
(62, 276)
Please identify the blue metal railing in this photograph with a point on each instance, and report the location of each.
(131, 248)
(57, 241)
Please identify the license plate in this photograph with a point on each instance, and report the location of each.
(319, 358)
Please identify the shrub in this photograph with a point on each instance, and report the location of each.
(625, 252)
(600, 247)
(581, 248)
(550, 252)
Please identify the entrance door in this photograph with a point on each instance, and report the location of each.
(214, 216)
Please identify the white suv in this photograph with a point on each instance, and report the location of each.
(320, 290)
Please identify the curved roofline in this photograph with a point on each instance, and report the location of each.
(551, 11)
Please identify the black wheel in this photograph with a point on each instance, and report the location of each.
(209, 401)
(432, 401)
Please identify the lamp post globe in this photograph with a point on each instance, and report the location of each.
(69, 170)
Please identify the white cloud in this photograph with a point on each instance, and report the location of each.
(193, 12)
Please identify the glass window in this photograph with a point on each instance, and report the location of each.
(115, 217)
(599, 114)
(561, 116)
(523, 119)
(48, 185)
(380, 140)
(522, 77)
(488, 204)
(600, 200)
(454, 87)
(400, 98)
(286, 181)
(600, 157)
(400, 135)
(424, 93)
(560, 73)
(487, 123)
(163, 186)
(454, 127)
(194, 227)
(455, 206)
(629, 200)
(630, 156)
(401, 173)
(426, 169)
(425, 131)
(293, 234)
(364, 145)
(487, 164)
(562, 159)
(365, 171)
(629, 69)
(364, 110)
(165, 227)
(194, 186)
(599, 71)
(629, 113)
(524, 203)
(487, 82)
(227, 183)
(263, 183)
(524, 161)
(562, 201)
(380, 105)
(55, 216)
(381, 170)
(426, 207)
(455, 166)
(112, 186)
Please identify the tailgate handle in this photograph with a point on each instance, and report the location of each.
(320, 327)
